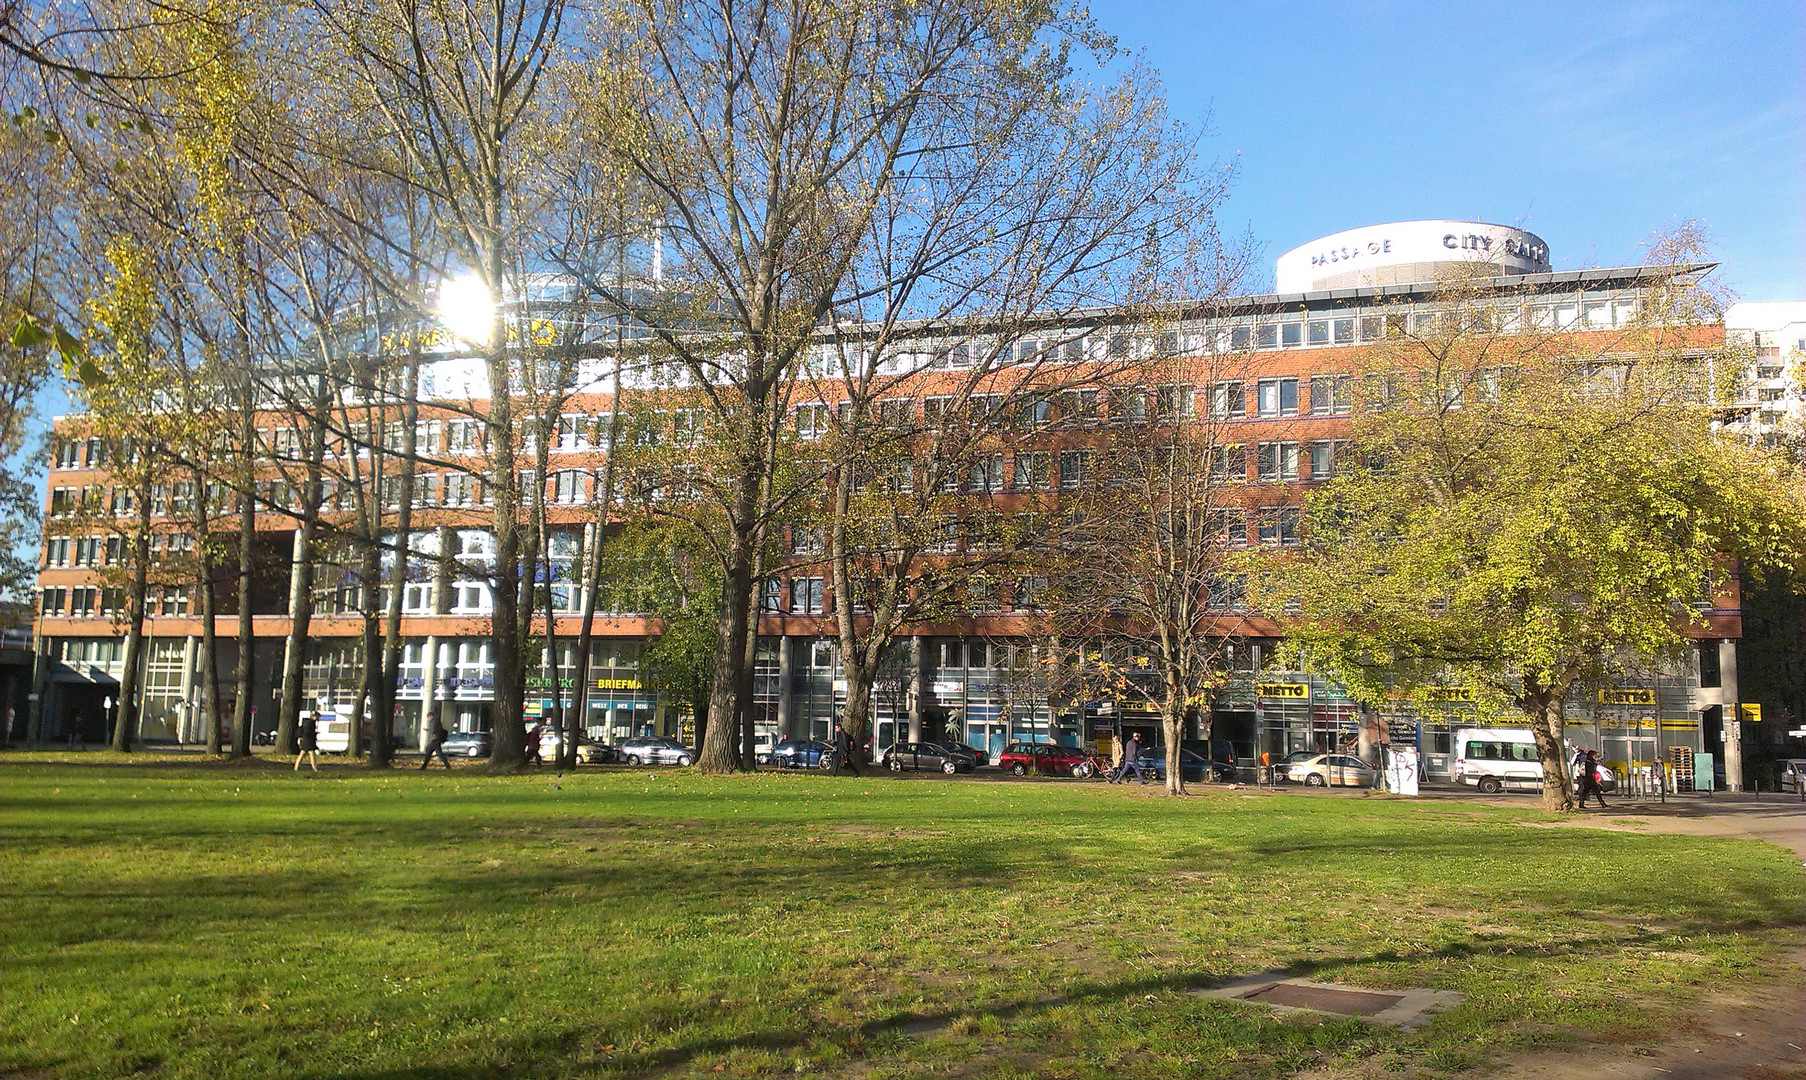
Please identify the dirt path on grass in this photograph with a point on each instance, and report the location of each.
(1756, 1033)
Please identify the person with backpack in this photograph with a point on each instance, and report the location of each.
(435, 744)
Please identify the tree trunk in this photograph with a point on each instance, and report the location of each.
(1544, 710)
(247, 541)
(130, 684)
(203, 584)
(1172, 722)
(301, 579)
(719, 754)
(509, 746)
(382, 721)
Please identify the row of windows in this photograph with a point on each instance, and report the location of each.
(1325, 395)
(87, 601)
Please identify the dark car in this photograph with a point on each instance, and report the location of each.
(1043, 759)
(979, 758)
(655, 750)
(1193, 768)
(467, 744)
(801, 754)
(939, 757)
(264, 738)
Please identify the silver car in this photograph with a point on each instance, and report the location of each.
(655, 750)
(1323, 770)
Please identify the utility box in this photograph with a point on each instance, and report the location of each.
(1702, 772)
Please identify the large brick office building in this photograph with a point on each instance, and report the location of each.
(1287, 404)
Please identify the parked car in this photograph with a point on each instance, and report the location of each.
(1193, 768)
(1790, 774)
(763, 743)
(589, 750)
(467, 744)
(655, 750)
(979, 758)
(1322, 770)
(801, 754)
(940, 757)
(1043, 759)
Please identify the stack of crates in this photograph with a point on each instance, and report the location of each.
(1680, 767)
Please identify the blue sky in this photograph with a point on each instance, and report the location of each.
(1591, 123)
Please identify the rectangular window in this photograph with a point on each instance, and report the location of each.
(1078, 408)
(1277, 462)
(1279, 525)
(806, 595)
(459, 490)
(770, 595)
(1291, 335)
(1240, 338)
(573, 433)
(1331, 394)
(896, 414)
(1034, 411)
(1032, 471)
(83, 601)
(1029, 594)
(1323, 459)
(1319, 331)
(1228, 401)
(569, 486)
(54, 601)
(1128, 406)
(56, 551)
(1266, 336)
(87, 551)
(1710, 673)
(1276, 397)
(1075, 468)
(985, 474)
(1344, 331)
(1173, 402)
(934, 410)
(1229, 464)
(1229, 527)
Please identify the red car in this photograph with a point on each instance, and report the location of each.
(1042, 759)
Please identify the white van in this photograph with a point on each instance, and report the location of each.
(1493, 759)
(333, 730)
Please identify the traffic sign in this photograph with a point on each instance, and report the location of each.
(1750, 711)
(1798, 733)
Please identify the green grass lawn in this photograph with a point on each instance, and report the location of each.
(203, 920)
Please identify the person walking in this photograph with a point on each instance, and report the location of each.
(534, 736)
(1589, 780)
(1131, 759)
(435, 744)
(308, 739)
(843, 750)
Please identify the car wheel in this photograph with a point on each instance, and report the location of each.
(825, 763)
(896, 764)
(1315, 780)
(633, 759)
(949, 767)
(1019, 769)
(683, 759)
(1081, 771)
(1489, 785)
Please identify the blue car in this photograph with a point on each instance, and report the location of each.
(1192, 767)
(801, 754)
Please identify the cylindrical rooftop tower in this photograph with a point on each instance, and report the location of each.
(1406, 252)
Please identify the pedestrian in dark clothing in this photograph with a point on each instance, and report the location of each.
(309, 738)
(1131, 759)
(435, 744)
(1589, 780)
(533, 739)
(843, 750)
